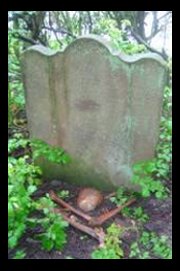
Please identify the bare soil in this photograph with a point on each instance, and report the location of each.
(79, 245)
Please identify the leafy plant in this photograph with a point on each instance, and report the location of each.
(63, 194)
(160, 166)
(54, 235)
(136, 213)
(105, 253)
(121, 196)
(16, 99)
(139, 214)
(142, 176)
(22, 182)
(17, 142)
(23, 179)
(52, 153)
(53, 225)
(157, 244)
(112, 248)
(117, 36)
(137, 253)
(20, 254)
(164, 147)
(150, 241)
(160, 247)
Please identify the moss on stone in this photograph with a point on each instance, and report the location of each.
(74, 172)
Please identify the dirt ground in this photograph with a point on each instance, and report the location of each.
(79, 245)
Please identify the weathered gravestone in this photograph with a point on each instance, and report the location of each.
(102, 108)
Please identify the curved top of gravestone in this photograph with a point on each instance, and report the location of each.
(103, 42)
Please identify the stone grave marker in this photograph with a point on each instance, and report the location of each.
(103, 108)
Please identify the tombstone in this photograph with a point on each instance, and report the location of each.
(103, 108)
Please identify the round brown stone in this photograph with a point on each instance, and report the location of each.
(88, 199)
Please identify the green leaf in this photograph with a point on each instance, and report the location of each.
(20, 254)
(47, 244)
(145, 193)
(31, 189)
(12, 241)
(159, 195)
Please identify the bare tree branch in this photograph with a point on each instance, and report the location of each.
(98, 221)
(92, 221)
(139, 18)
(52, 29)
(164, 15)
(90, 21)
(140, 40)
(153, 34)
(60, 30)
(26, 39)
(96, 233)
(154, 26)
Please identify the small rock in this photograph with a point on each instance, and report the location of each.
(32, 241)
(89, 199)
(55, 183)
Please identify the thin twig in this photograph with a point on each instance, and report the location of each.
(95, 233)
(61, 202)
(92, 221)
(97, 221)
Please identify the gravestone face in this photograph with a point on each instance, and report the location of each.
(103, 108)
